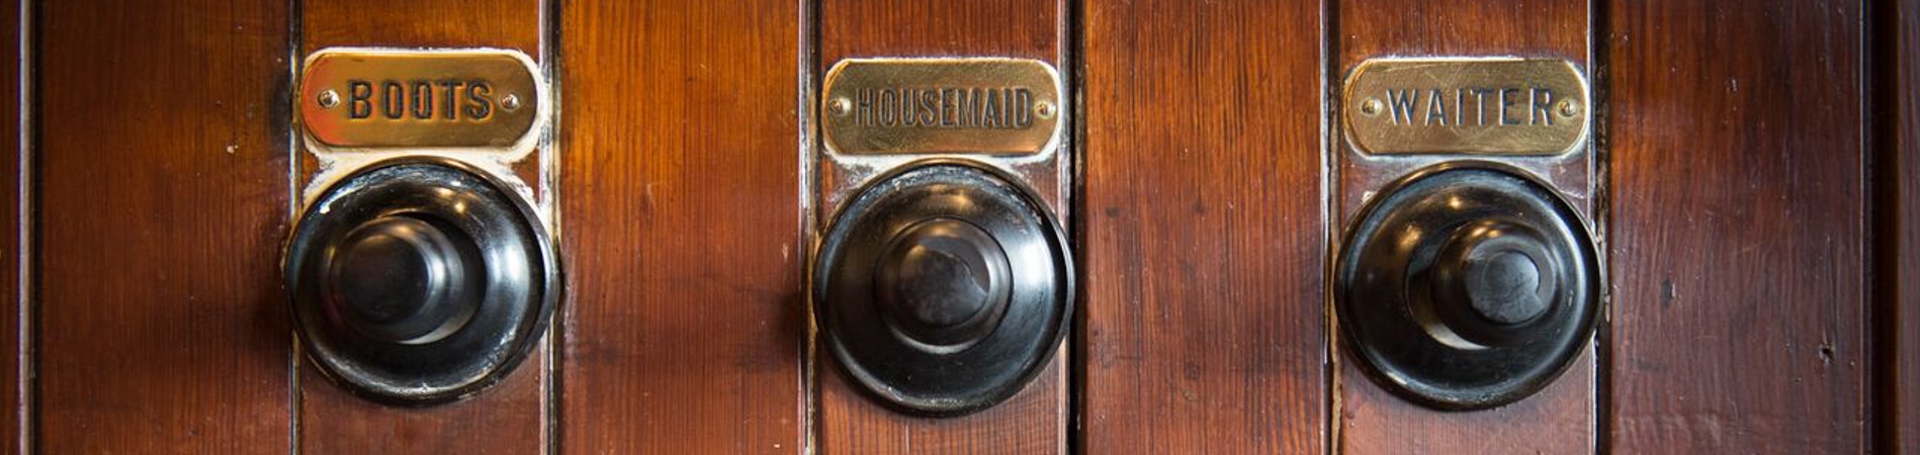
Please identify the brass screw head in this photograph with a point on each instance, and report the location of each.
(328, 98)
(839, 107)
(1568, 108)
(1370, 107)
(1045, 109)
(510, 102)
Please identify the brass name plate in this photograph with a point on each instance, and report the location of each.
(962, 105)
(1487, 106)
(384, 98)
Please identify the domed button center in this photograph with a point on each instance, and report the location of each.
(398, 279)
(943, 284)
(1498, 275)
(1505, 287)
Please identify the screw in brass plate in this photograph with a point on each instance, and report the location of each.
(1370, 107)
(839, 107)
(1044, 109)
(510, 102)
(1568, 108)
(329, 98)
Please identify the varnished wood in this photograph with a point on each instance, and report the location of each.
(12, 431)
(680, 183)
(1896, 230)
(1204, 229)
(1035, 420)
(1560, 418)
(162, 195)
(511, 417)
(1739, 319)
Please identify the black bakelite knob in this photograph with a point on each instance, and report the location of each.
(420, 280)
(943, 287)
(1467, 285)
(943, 283)
(1491, 278)
(400, 279)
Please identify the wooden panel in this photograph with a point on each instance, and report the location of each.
(1205, 323)
(1739, 320)
(12, 428)
(1560, 418)
(163, 162)
(1896, 230)
(1035, 420)
(509, 417)
(686, 326)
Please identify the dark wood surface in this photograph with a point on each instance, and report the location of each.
(1896, 230)
(1739, 319)
(1558, 419)
(1204, 231)
(12, 431)
(1730, 179)
(510, 417)
(685, 330)
(1035, 420)
(162, 183)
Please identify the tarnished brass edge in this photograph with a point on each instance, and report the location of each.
(529, 140)
(1348, 140)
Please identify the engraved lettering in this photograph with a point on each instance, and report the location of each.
(1436, 108)
(964, 110)
(422, 100)
(1506, 104)
(1542, 101)
(447, 90)
(990, 110)
(391, 102)
(360, 102)
(945, 107)
(1480, 106)
(479, 100)
(889, 106)
(1023, 109)
(1400, 106)
(929, 107)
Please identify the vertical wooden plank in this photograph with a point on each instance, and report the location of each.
(163, 181)
(511, 416)
(1896, 230)
(1739, 320)
(1035, 420)
(1560, 418)
(1204, 230)
(12, 429)
(686, 326)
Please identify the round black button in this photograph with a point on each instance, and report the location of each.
(943, 284)
(1467, 285)
(943, 287)
(420, 280)
(400, 279)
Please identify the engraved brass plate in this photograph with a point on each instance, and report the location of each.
(385, 98)
(963, 105)
(1485, 106)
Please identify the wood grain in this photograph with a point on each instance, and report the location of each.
(162, 183)
(1204, 229)
(510, 417)
(1560, 418)
(1896, 230)
(1739, 322)
(12, 429)
(680, 184)
(1035, 420)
